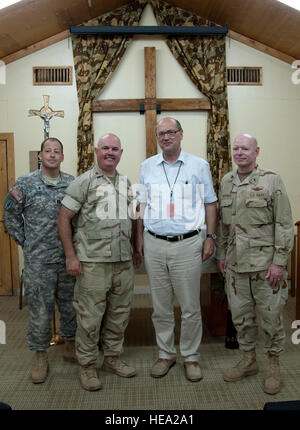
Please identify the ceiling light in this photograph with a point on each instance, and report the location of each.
(5, 3)
(292, 3)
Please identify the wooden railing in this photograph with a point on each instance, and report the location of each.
(296, 255)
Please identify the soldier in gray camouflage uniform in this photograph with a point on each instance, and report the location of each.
(31, 209)
(99, 254)
(255, 237)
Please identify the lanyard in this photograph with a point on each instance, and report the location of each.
(171, 189)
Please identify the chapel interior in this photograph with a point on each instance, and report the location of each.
(249, 82)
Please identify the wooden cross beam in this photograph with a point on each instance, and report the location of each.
(151, 105)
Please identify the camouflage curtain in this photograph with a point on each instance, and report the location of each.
(95, 60)
(203, 59)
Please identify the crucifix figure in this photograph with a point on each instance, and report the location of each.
(150, 105)
(46, 113)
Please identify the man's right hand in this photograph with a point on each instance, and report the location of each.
(73, 266)
(222, 266)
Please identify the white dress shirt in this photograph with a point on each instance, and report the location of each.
(175, 193)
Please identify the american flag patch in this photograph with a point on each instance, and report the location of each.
(17, 195)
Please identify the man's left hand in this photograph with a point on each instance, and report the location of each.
(208, 248)
(137, 260)
(275, 274)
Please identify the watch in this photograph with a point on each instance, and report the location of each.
(212, 235)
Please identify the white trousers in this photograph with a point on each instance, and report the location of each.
(175, 268)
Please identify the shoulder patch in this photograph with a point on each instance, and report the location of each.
(16, 194)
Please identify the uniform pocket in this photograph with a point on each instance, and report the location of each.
(98, 243)
(101, 203)
(258, 211)
(226, 210)
(261, 251)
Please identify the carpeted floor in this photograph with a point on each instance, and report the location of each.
(62, 390)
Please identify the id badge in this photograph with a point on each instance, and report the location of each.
(170, 209)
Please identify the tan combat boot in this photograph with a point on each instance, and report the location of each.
(69, 351)
(246, 367)
(40, 370)
(272, 381)
(89, 378)
(115, 365)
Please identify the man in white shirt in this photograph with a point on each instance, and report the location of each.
(176, 199)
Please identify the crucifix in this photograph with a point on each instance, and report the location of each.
(150, 105)
(46, 113)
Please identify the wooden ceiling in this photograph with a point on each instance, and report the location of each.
(267, 25)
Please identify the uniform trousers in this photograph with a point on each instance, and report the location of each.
(174, 268)
(103, 290)
(251, 292)
(46, 284)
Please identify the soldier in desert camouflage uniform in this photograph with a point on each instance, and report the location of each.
(100, 256)
(255, 237)
(31, 209)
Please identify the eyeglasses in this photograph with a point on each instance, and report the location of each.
(171, 133)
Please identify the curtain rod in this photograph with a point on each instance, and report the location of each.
(110, 30)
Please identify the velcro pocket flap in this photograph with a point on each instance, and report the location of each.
(257, 203)
(264, 241)
(98, 235)
(226, 202)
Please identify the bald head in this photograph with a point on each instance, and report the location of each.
(246, 137)
(168, 120)
(108, 153)
(245, 152)
(109, 137)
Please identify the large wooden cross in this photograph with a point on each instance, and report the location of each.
(151, 105)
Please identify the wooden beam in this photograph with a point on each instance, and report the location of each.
(130, 30)
(133, 105)
(261, 47)
(150, 93)
(185, 104)
(36, 47)
(125, 105)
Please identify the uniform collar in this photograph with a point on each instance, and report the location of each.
(251, 179)
(59, 183)
(98, 172)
